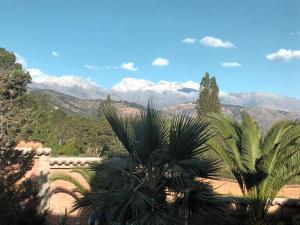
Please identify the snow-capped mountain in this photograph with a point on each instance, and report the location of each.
(261, 99)
(69, 84)
(132, 84)
(163, 93)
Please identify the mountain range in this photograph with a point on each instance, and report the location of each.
(163, 93)
(88, 108)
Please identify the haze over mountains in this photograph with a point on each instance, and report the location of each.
(163, 93)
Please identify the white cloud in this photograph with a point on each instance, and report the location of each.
(39, 76)
(189, 40)
(54, 53)
(129, 66)
(109, 67)
(216, 42)
(160, 62)
(90, 67)
(294, 33)
(231, 64)
(284, 54)
(21, 59)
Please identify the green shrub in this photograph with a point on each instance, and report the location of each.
(296, 220)
(70, 148)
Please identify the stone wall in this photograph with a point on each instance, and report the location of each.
(231, 188)
(59, 196)
(64, 193)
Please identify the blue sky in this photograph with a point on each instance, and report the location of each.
(98, 39)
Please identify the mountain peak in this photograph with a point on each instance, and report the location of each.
(163, 93)
(132, 84)
(40, 77)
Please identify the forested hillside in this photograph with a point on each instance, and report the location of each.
(68, 132)
(71, 126)
(76, 106)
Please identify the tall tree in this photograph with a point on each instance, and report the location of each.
(261, 165)
(214, 95)
(208, 101)
(19, 200)
(100, 114)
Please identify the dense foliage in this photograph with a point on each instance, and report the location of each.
(156, 182)
(261, 165)
(208, 101)
(19, 197)
(71, 134)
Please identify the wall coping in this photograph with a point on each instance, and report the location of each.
(234, 181)
(287, 202)
(38, 151)
(72, 161)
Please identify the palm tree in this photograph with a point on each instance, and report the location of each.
(261, 165)
(155, 182)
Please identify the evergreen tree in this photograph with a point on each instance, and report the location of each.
(215, 101)
(100, 114)
(109, 145)
(208, 101)
(19, 200)
(100, 111)
(69, 134)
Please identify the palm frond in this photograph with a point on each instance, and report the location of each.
(96, 200)
(150, 132)
(120, 125)
(161, 158)
(261, 165)
(84, 172)
(107, 171)
(158, 217)
(188, 138)
(69, 178)
(199, 201)
(250, 142)
(274, 134)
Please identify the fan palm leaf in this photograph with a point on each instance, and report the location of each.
(164, 160)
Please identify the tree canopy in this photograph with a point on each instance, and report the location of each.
(72, 134)
(208, 101)
(19, 197)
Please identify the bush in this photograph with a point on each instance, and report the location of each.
(296, 220)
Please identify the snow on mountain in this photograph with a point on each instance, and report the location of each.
(132, 84)
(261, 99)
(68, 84)
(163, 93)
(39, 76)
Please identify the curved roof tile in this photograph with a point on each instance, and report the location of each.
(73, 161)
